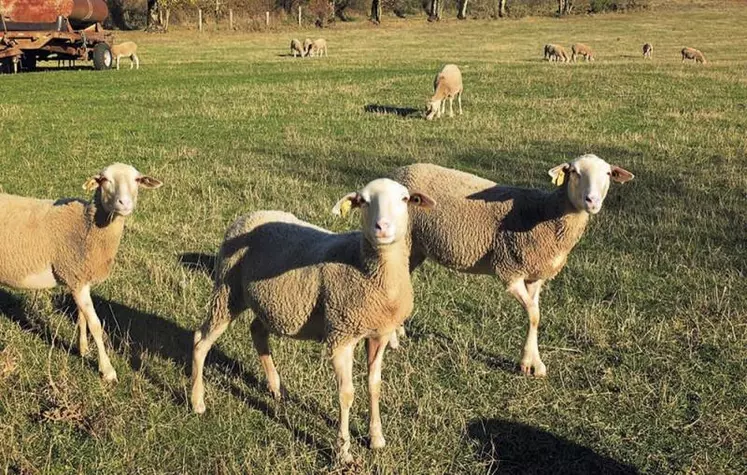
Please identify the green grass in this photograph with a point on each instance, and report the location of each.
(644, 332)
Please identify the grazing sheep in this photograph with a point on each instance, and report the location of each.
(580, 49)
(307, 44)
(297, 48)
(44, 243)
(126, 49)
(648, 50)
(305, 282)
(448, 83)
(694, 54)
(556, 53)
(318, 47)
(521, 235)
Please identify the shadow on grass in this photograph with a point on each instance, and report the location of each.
(417, 332)
(510, 447)
(408, 112)
(149, 334)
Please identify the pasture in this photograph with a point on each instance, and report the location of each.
(644, 333)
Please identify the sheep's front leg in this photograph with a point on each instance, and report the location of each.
(342, 361)
(451, 106)
(117, 63)
(459, 99)
(83, 300)
(527, 293)
(82, 334)
(375, 348)
(261, 340)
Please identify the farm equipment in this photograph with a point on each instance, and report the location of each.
(62, 30)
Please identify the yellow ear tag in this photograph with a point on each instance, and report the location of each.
(345, 208)
(90, 185)
(559, 178)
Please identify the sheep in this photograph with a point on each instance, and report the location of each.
(44, 243)
(580, 49)
(297, 48)
(448, 83)
(556, 53)
(318, 47)
(126, 49)
(523, 236)
(694, 54)
(648, 50)
(305, 282)
(307, 44)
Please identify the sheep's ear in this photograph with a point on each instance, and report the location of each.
(620, 175)
(148, 182)
(346, 203)
(558, 173)
(421, 200)
(93, 183)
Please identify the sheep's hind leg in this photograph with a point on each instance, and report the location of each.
(451, 106)
(82, 334)
(527, 293)
(205, 337)
(83, 300)
(342, 361)
(375, 348)
(261, 340)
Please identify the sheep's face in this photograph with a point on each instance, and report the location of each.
(432, 109)
(117, 187)
(384, 214)
(588, 180)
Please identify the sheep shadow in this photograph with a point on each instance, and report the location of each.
(508, 447)
(145, 334)
(408, 112)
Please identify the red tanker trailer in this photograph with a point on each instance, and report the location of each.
(38, 30)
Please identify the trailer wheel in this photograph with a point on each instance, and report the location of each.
(102, 56)
(28, 62)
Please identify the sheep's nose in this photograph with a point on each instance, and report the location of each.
(383, 228)
(124, 201)
(591, 199)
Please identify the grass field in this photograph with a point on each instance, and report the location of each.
(644, 333)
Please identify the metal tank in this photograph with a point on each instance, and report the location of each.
(43, 14)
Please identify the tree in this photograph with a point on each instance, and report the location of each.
(153, 17)
(462, 14)
(501, 8)
(436, 7)
(376, 11)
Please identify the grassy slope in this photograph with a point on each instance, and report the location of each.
(644, 332)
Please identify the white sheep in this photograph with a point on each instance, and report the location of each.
(307, 44)
(648, 50)
(305, 282)
(448, 83)
(318, 47)
(556, 53)
(694, 54)
(297, 49)
(45, 243)
(521, 235)
(580, 49)
(127, 49)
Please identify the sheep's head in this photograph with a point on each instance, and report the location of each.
(384, 214)
(588, 180)
(432, 109)
(117, 187)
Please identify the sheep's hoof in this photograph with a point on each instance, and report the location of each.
(83, 348)
(109, 375)
(199, 408)
(377, 442)
(540, 370)
(344, 458)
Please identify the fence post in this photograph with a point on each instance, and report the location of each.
(230, 18)
(267, 18)
(199, 19)
(299, 15)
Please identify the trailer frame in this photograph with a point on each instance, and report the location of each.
(20, 49)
